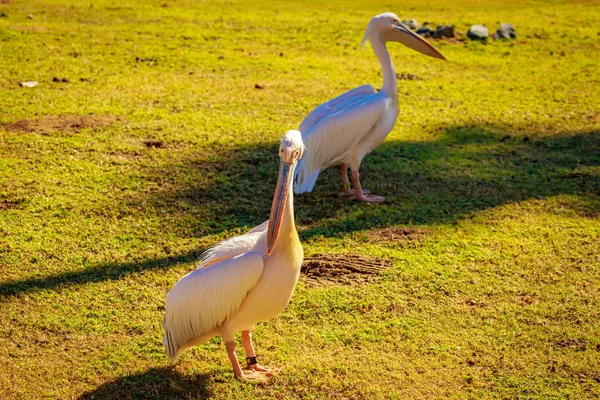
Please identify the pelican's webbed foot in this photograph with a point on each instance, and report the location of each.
(351, 193)
(254, 366)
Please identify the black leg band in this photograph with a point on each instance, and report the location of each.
(251, 360)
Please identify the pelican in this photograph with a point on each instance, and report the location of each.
(242, 280)
(344, 130)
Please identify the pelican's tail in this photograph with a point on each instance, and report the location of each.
(174, 350)
(303, 182)
(170, 347)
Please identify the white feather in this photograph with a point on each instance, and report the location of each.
(334, 104)
(332, 130)
(201, 300)
(254, 240)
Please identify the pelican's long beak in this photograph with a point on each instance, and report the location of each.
(404, 35)
(278, 206)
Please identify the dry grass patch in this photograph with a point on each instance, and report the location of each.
(396, 234)
(60, 123)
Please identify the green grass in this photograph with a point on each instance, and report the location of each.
(496, 155)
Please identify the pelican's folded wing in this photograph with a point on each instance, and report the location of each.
(254, 240)
(331, 136)
(201, 300)
(332, 106)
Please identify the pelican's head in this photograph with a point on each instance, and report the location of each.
(291, 147)
(290, 151)
(387, 27)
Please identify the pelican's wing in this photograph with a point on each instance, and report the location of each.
(254, 240)
(333, 104)
(334, 133)
(201, 300)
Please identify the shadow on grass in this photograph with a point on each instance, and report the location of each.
(156, 383)
(99, 273)
(469, 168)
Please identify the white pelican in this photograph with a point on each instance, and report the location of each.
(344, 130)
(242, 280)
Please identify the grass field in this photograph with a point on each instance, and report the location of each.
(157, 144)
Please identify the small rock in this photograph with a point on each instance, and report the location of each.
(412, 24)
(3, 15)
(29, 16)
(506, 31)
(30, 84)
(425, 31)
(478, 32)
(259, 86)
(444, 31)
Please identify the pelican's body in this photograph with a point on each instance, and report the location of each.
(242, 280)
(344, 130)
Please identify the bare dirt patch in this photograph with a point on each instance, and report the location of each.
(475, 303)
(525, 298)
(396, 234)
(342, 269)
(60, 123)
(8, 204)
(408, 77)
(573, 343)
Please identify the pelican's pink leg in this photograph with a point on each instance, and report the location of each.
(346, 191)
(251, 355)
(237, 370)
(359, 194)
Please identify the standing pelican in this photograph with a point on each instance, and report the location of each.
(344, 130)
(242, 280)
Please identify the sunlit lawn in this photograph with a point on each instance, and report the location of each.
(163, 145)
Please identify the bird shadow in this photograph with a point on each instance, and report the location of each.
(95, 273)
(468, 168)
(156, 383)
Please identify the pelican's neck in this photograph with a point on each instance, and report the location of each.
(289, 242)
(288, 224)
(387, 67)
(287, 237)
